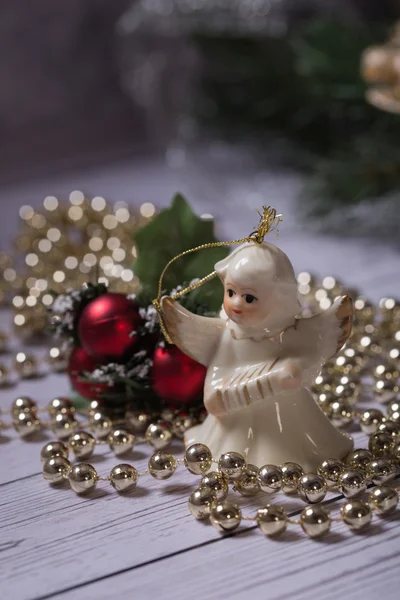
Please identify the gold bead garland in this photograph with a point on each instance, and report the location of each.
(364, 371)
(64, 245)
(209, 500)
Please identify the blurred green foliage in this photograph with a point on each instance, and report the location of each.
(306, 88)
(171, 232)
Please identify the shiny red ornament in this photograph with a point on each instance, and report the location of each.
(79, 362)
(177, 378)
(105, 327)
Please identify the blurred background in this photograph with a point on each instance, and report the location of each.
(235, 103)
(92, 80)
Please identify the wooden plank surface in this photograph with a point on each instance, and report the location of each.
(54, 544)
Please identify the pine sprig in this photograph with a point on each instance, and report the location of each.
(67, 309)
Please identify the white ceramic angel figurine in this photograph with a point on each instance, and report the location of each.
(261, 359)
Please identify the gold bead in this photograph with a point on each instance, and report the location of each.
(123, 477)
(340, 412)
(359, 458)
(315, 521)
(393, 407)
(325, 399)
(349, 361)
(26, 424)
(396, 452)
(162, 465)
(168, 414)
(352, 483)
(364, 311)
(200, 502)
(291, 473)
(53, 449)
(386, 390)
(386, 371)
(217, 482)
(94, 407)
(323, 382)
(26, 365)
(57, 359)
(82, 444)
(180, 424)
(100, 424)
(225, 516)
(272, 520)
(139, 421)
(121, 441)
(247, 484)
(83, 478)
(330, 469)
(64, 424)
(60, 405)
(56, 469)
(357, 515)
(395, 417)
(381, 444)
(159, 435)
(369, 345)
(23, 404)
(389, 427)
(312, 488)
(270, 478)
(370, 420)
(198, 459)
(349, 393)
(381, 470)
(383, 499)
(232, 465)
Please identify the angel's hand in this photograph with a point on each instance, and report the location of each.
(215, 405)
(287, 376)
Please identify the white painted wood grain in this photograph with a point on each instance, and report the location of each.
(248, 565)
(49, 533)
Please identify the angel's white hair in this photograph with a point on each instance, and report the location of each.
(267, 266)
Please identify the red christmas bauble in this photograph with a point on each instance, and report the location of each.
(79, 362)
(105, 326)
(177, 378)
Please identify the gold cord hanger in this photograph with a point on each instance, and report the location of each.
(269, 221)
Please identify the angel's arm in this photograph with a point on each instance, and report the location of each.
(196, 336)
(248, 386)
(306, 348)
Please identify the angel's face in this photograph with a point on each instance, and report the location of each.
(244, 305)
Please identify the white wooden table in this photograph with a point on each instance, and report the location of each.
(54, 544)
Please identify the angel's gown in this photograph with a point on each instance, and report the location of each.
(270, 428)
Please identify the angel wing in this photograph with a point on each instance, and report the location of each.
(196, 336)
(319, 338)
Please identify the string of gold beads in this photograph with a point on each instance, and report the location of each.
(209, 501)
(121, 434)
(27, 365)
(351, 478)
(273, 520)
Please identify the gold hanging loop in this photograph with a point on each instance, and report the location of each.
(269, 221)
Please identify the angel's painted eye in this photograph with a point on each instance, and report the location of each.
(230, 293)
(250, 298)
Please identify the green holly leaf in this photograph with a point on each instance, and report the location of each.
(172, 231)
